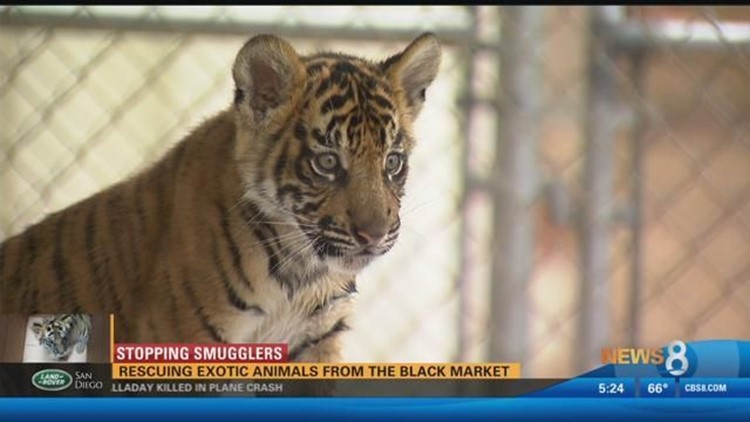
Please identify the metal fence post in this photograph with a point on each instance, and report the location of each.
(638, 179)
(467, 107)
(598, 202)
(514, 181)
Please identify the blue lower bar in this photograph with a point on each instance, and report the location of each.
(199, 409)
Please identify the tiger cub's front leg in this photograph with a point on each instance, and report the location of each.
(330, 320)
(328, 351)
(325, 351)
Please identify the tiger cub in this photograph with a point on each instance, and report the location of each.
(253, 227)
(60, 334)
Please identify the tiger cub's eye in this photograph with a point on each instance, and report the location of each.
(394, 162)
(325, 164)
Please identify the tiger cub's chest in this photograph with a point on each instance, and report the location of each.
(304, 316)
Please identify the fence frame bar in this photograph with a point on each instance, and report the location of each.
(514, 182)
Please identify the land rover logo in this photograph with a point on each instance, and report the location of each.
(52, 380)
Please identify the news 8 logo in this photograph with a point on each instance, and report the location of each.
(677, 363)
(680, 360)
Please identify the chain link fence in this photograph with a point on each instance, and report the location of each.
(647, 153)
(582, 178)
(686, 85)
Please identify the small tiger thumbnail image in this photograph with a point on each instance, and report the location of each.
(57, 338)
(53, 338)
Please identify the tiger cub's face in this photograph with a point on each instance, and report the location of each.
(52, 334)
(324, 142)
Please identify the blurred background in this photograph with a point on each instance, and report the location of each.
(582, 178)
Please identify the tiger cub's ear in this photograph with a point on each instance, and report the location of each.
(267, 74)
(36, 328)
(414, 69)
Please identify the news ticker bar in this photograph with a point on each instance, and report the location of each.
(612, 388)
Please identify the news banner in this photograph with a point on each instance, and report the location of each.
(680, 370)
(689, 380)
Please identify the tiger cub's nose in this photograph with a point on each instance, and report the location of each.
(369, 235)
